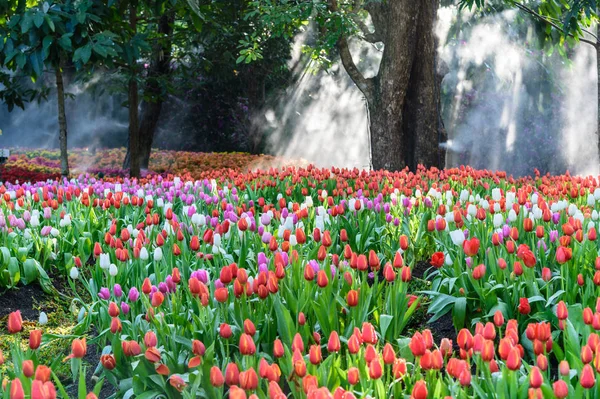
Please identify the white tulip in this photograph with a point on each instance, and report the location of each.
(498, 220)
(104, 261)
(158, 255)
(112, 270)
(43, 319)
(458, 237)
(144, 254)
(74, 273)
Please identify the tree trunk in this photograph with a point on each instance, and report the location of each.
(62, 124)
(134, 149)
(598, 86)
(405, 122)
(158, 72)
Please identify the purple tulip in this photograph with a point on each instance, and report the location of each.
(117, 290)
(104, 293)
(134, 294)
(124, 307)
(262, 258)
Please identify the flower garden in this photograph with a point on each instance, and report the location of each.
(303, 282)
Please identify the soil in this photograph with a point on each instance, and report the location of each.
(91, 359)
(24, 298)
(420, 268)
(443, 328)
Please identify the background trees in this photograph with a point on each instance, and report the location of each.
(403, 96)
(198, 73)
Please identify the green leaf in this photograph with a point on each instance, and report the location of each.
(46, 43)
(384, 323)
(459, 312)
(26, 23)
(285, 324)
(38, 19)
(30, 271)
(21, 60)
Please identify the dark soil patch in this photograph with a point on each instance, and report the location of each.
(91, 360)
(420, 268)
(24, 298)
(443, 328)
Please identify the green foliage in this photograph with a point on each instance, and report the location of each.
(563, 20)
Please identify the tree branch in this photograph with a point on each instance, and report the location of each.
(554, 25)
(371, 37)
(365, 85)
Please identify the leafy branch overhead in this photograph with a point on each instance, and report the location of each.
(563, 20)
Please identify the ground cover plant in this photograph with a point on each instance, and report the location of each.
(303, 282)
(41, 165)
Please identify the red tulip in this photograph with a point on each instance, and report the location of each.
(535, 378)
(471, 247)
(333, 345)
(216, 377)
(524, 307)
(419, 390)
(278, 350)
(587, 379)
(248, 379)
(353, 376)
(232, 374)
(437, 259)
(15, 322)
(35, 339)
(561, 389)
(247, 346)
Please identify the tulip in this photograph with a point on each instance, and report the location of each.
(353, 376)
(108, 362)
(78, 348)
(587, 379)
(27, 367)
(560, 389)
(15, 322)
(524, 307)
(35, 338)
(333, 345)
(225, 331)
(419, 390)
(315, 356)
(16, 389)
(43, 373)
(368, 333)
(278, 350)
(417, 344)
(177, 382)
(152, 355)
(535, 378)
(43, 390)
(232, 374)
(216, 377)
(247, 346)
(513, 362)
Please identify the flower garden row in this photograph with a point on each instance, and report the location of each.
(294, 283)
(41, 165)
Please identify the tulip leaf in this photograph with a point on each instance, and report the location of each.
(459, 312)
(554, 297)
(30, 271)
(384, 323)
(285, 323)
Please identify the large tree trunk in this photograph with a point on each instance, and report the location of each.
(160, 67)
(134, 161)
(62, 124)
(405, 123)
(598, 86)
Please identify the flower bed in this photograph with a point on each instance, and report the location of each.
(296, 282)
(41, 165)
